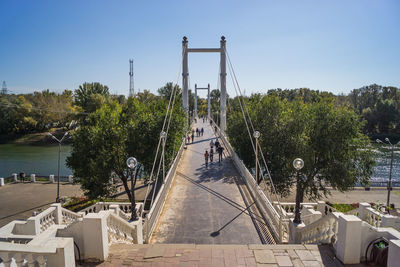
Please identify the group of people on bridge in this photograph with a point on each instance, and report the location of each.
(199, 132)
(219, 149)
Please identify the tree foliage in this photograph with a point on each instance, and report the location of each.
(115, 132)
(326, 136)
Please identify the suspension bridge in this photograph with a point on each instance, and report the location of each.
(216, 204)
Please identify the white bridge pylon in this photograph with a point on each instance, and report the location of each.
(185, 78)
(208, 100)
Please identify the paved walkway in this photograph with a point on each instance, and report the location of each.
(220, 255)
(205, 205)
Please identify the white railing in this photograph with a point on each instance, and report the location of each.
(279, 225)
(120, 231)
(46, 218)
(69, 216)
(159, 201)
(322, 231)
(60, 254)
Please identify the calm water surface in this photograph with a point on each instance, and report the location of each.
(41, 160)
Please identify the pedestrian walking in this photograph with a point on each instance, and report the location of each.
(206, 155)
(192, 137)
(197, 132)
(211, 144)
(211, 155)
(188, 139)
(216, 144)
(202, 131)
(203, 120)
(220, 150)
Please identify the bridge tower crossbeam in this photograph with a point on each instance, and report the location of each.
(185, 77)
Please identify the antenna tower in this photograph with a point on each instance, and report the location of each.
(131, 87)
(4, 88)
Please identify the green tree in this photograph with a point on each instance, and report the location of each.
(85, 96)
(115, 132)
(327, 137)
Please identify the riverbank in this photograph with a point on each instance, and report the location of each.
(34, 139)
(358, 195)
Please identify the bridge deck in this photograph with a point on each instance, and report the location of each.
(207, 205)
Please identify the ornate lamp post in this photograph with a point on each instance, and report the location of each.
(59, 152)
(131, 162)
(391, 167)
(298, 164)
(256, 135)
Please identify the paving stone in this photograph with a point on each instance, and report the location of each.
(311, 247)
(217, 253)
(277, 246)
(244, 253)
(169, 252)
(292, 254)
(297, 263)
(217, 262)
(205, 262)
(250, 262)
(266, 265)
(264, 256)
(283, 261)
(305, 255)
(154, 252)
(194, 255)
(205, 253)
(311, 263)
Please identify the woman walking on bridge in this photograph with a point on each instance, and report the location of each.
(206, 158)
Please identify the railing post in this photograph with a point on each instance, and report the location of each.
(33, 178)
(15, 176)
(95, 235)
(362, 210)
(58, 217)
(65, 256)
(349, 239)
(394, 252)
(51, 178)
(1, 181)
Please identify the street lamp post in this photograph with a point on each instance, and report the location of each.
(391, 166)
(256, 135)
(298, 164)
(131, 162)
(163, 136)
(59, 153)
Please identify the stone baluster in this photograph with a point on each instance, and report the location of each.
(19, 260)
(31, 260)
(7, 258)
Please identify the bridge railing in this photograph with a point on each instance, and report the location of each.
(155, 211)
(279, 225)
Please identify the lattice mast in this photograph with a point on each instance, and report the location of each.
(131, 87)
(4, 88)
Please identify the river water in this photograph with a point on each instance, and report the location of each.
(42, 160)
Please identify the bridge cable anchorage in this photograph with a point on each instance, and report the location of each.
(235, 82)
(171, 99)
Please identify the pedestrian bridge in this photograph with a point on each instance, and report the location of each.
(218, 204)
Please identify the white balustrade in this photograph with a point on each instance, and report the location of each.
(323, 231)
(47, 218)
(69, 216)
(60, 253)
(120, 231)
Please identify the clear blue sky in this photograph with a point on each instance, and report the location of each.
(326, 45)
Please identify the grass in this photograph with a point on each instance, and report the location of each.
(78, 203)
(343, 207)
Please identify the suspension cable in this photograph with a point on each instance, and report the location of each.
(172, 98)
(235, 81)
